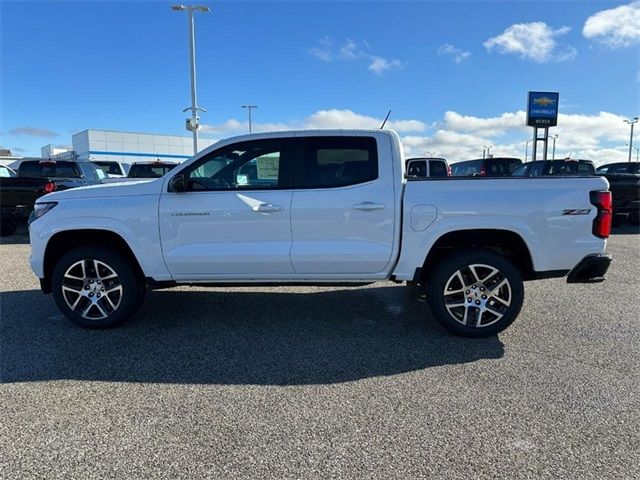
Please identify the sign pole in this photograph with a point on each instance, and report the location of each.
(542, 113)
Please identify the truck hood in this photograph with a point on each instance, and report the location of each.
(142, 187)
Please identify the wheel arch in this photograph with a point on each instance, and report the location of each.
(505, 242)
(62, 242)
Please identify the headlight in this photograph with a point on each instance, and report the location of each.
(39, 209)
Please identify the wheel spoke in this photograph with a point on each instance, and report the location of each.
(102, 312)
(474, 273)
(500, 285)
(113, 305)
(502, 301)
(69, 288)
(493, 311)
(86, 310)
(479, 319)
(114, 289)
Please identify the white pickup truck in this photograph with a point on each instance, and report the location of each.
(319, 207)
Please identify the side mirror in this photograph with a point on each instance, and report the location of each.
(179, 183)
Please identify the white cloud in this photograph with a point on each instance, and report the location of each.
(323, 51)
(351, 50)
(534, 41)
(380, 65)
(332, 118)
(599, 137)
(457, 54)
(616, 27)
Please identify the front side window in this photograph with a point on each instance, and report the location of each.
(331, 162)
(251, 165)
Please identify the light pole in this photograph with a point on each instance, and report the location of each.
(526, 150)
(488, 149)
(249, 107)
(637, 149)
(553, 151)
(192, 123)
(631, 122)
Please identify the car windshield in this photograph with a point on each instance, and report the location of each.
(6, 172)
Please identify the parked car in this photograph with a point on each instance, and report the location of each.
(35, 178)
(112, 168)
(321, 207)
(620, 167)
(485, 167)
(564, 167)
(155, 169)
(427, 167)
(625, 189)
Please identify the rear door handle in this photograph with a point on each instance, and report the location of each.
(267, 207)
(368, 206)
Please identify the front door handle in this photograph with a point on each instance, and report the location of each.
(267, 207)
(367, 206)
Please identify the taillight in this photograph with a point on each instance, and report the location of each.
(483, 171)
(448, 171)
(49, 187)
(602, 223)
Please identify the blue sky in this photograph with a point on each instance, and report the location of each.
(68, 66)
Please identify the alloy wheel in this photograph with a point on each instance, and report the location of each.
(477, 295)
(92, 289)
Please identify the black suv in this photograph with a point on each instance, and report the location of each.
(563, 168)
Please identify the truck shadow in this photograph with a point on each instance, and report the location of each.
(235, 337)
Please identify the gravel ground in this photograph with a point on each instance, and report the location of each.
(322, 383)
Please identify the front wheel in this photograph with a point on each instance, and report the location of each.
(475, 293)
(96, 288)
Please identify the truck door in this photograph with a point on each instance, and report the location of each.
(234, 220)
(343, 211)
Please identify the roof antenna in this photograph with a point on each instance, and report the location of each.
(385, 120)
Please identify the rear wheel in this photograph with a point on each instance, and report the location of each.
(96, 288)
(475, 293)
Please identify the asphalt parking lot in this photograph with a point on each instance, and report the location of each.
(322, 383)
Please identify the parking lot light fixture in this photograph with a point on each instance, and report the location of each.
(193, 124)
(553, 151)
(249, 107)
(631, 122)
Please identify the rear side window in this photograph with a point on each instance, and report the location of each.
(465, 169)
(519, 171)
(437, 169)
(620, 168)
(338, 162)
(112, 168)
(585, 168)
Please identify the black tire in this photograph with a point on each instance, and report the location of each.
(492, 301)
(7, 228)
(82, 262)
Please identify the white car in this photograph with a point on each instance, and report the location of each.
(319, 207)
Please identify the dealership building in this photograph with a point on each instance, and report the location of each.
(129, 147)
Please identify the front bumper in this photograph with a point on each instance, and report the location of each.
(591, 269)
